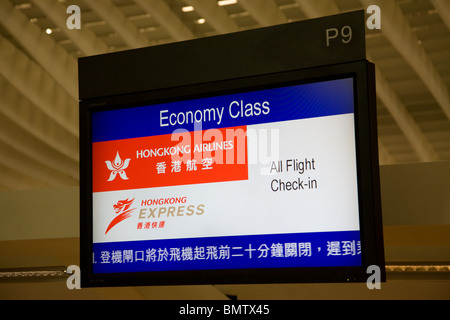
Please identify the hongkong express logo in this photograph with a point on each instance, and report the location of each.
(153, 210)
(123, 211)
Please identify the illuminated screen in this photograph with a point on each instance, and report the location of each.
(259, 179)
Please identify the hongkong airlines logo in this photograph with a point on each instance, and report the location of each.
(123, 211)
(118, 167)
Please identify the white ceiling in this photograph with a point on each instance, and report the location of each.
(38, 71)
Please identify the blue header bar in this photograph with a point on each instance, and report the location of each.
(311, 100)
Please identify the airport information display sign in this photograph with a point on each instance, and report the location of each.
(260, 179)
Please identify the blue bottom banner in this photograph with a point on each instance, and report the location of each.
(321, 249)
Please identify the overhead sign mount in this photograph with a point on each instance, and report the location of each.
(241, 158)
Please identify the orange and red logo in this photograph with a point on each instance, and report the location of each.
(123, 211)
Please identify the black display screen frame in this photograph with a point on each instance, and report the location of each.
(363, 75)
